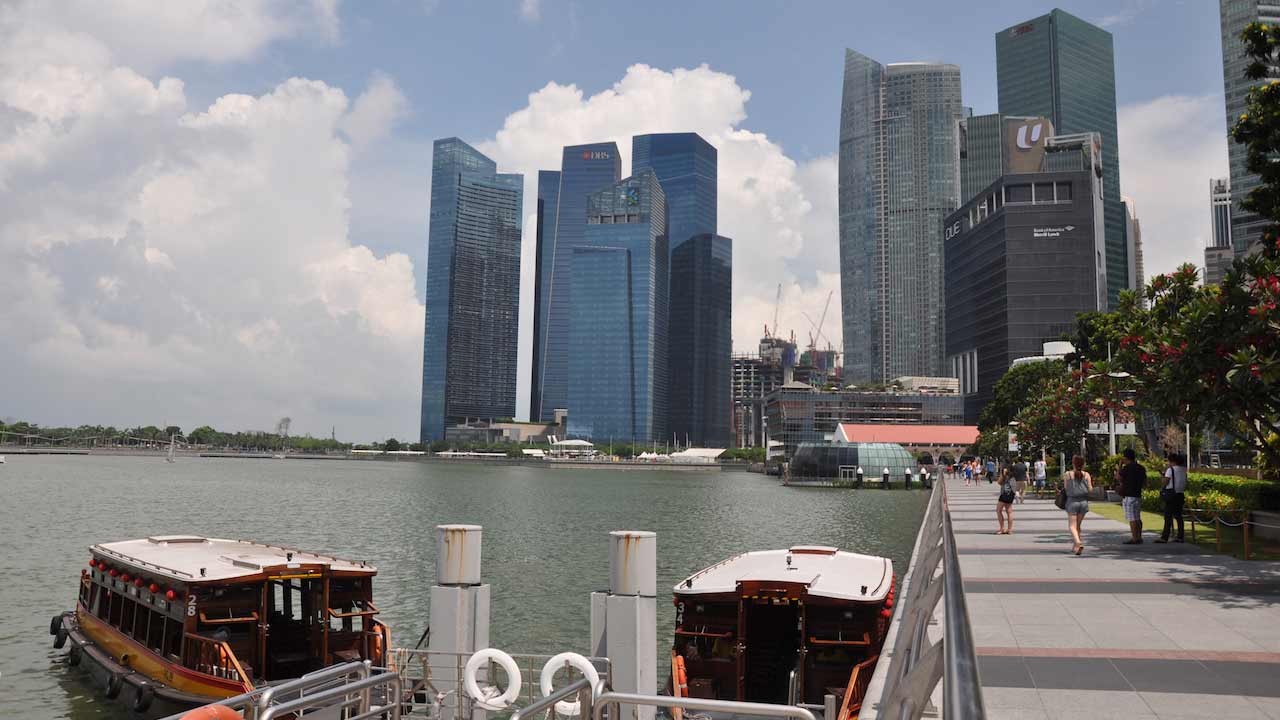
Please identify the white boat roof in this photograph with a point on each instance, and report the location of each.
(182, 557)
(827, 571)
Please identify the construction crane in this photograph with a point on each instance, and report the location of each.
(777, 302)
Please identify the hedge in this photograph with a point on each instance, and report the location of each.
(1217, 492)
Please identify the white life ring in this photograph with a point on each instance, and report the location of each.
(487, 698)
(577, 662)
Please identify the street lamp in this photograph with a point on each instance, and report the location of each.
(1111, 412)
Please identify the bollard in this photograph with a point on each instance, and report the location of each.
(884, 478)
(1244, 528)
(624, 621)
(459, 613)
(829, 707)
(860, 476)
(1217, 530)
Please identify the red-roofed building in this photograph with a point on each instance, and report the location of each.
(914, 437)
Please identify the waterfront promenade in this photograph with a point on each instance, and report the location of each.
(1146, 631)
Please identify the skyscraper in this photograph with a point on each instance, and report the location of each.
(473, 289)
(617, 347)
(897, 181)
(700, 297)
(1063, 68)
(994, 145)
(584, 169)
(1220, 252)
(1133, 236)
(1234, 16)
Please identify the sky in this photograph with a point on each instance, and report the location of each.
(215, 211)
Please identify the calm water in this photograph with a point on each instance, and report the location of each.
(545, 538)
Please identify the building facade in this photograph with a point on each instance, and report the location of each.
(1220, 252)
(1234, 15)
(994, 145)
(1063, 68)
(472, 290)
(584, 169)
(617, 381)
(1133, 236)
(700, 301)
(898, 179)
(1023, 259)
(701, 341)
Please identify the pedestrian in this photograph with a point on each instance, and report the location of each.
(967, 469)
(1173, 496)
(884, 478)
(1133, 477)
(1076, 484)
(991, 471)
(1042, 474)
(1004, 504)
(1019, 472)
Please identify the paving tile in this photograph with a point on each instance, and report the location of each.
(1052, 636)
(1128, 636)
(1270, 707)
(1097, 704)
(1259, 679)
(1189, 705)
(1003, 671)
(1074, 674)
(998, 698)
(1187, 676)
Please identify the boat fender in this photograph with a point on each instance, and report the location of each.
(212, 712)
(55, 624)
(488, 698)
(115, 682)
(60, 639)
(74, 656)
(577, 662)
(142, 700)
(682, 678)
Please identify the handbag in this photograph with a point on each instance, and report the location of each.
(1007, 496)
(1061, 498)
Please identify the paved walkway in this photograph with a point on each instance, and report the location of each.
(1123, 631)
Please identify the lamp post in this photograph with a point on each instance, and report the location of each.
(1111, 411)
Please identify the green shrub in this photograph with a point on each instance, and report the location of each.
(1212, 500)
(1247, 492)
(1151, 501)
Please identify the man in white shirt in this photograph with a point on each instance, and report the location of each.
(1041, 474)
(1173, 495)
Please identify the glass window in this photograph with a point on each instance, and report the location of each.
(1064, 192)
(1043, 193)
(1018, 193)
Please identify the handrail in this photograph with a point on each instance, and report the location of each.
(228, 660)
(857, 687)
(961, 685)
(365, 707)
(574, 688)
(735, 707)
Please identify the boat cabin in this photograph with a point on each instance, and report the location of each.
(783, 626)
(237, 611)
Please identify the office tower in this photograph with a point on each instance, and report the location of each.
(1133, 236)
(701, 341)
(617, 348)
(584, 169)
(1023, 259)
(898, 179)
(1063, 68)
(1246, 227)
(700, 285)
(1220, 252)
(993, 145)
(473, 289)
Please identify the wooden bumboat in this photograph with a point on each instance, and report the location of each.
(783, 626)
(172, 622)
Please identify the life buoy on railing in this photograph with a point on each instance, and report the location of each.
(487, 698)
(577, 662)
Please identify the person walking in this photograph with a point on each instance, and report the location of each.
(1077, 484)
(1133, 477)
(1019, 472)
(967, 468)
(1173, 496)
(1042, 476)
(1004, 504)
(991, 471)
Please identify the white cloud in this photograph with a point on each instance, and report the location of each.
(166, 263)
(780, 214)
(1170, 147)
(530, 10)
(376, 111)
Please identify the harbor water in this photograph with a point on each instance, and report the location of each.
(545, 537)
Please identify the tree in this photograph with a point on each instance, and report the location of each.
(1019, 386)
(1173, 439)
(172, 430)
(1056, 420)
(392, 445)
(282, 426)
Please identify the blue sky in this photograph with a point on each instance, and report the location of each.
(231, 197)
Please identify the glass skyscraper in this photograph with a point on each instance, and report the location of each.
(699, 373)
(473, 289)
(701, 341)
(1246, 228)
(1063, 68)
(617, 380)
(562, 222)
(898, 179)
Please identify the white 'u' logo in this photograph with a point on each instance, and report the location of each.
(1022, 136)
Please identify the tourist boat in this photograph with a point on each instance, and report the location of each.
(783, 626)
(171, 622)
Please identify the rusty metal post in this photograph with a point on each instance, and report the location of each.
(1193, 528)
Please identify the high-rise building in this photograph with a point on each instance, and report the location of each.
(898, 179)
(701, 340)
(1023, 259)
(617, 351)
(994, 145)
(1063, 68)
(1234, 15)
(1133, 236)
(700, 285)
(1220, 252)
(473, 289)
(562, 223)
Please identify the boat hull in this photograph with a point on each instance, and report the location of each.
(145, 696)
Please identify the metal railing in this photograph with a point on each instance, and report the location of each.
(728, 707)
(253, 705)
(911, 665)
(580, 689)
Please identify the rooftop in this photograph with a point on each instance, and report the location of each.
(826, 571)
(907, 434)
(184, 557)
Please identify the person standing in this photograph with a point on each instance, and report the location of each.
(1004, 504)
(1019, 472)
(1042, 475)
(967, 468)
(1133, 477)
(1077, 484)
(1173, 496)
(991, 471)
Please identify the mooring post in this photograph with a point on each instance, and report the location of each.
(624, 621)
(459, 614)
